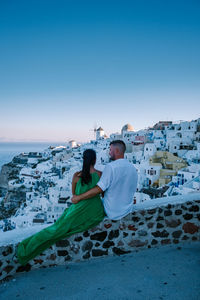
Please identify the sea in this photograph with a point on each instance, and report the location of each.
(10, 149)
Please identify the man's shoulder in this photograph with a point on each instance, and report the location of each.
(121, 163)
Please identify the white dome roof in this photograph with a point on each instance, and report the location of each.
(127, 127)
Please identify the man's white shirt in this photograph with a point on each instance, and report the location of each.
(119, 182)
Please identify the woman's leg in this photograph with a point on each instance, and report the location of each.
(37, 243)
(73, 220)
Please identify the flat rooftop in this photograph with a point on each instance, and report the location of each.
(170, 272)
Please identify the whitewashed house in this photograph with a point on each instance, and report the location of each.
(149, 150)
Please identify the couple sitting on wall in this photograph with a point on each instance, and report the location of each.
(117, 184)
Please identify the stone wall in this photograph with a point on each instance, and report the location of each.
(145, 228)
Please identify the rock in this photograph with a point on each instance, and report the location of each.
(62, 243)
(122, 226)
(113, 234)
(188, 216)
(119, 251)
(38, 261)
(190, 228)
(86, 255)
(120, 243)
(159, 218)
(166, 242)
(107, 225)
(154, 242)
(62, 252)
(173, 223)
(108, 244)
(87, 246)
(175, 241)
(194, 208)
(183, 207)
(177, 234)
(185, 237)
(137, 243)
(51, 257)
(149, 218)
(158, 233)
(25, 268)
(78, 239)
(178, 212)
(68, 258)
(98, 252)
(8, 268)
(8, 250)
(167, 213)
(75, 248)
(131, 227)
(159, 225)
(150, 225)
(136, 219)
(85, 234)
(151, 211)
(99, 236)
(142, 212)
(142, 232)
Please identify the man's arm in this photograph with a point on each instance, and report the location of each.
(87, 195)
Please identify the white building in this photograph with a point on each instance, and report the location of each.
(141, 197)
(152, 173)
(149, 150)
(99, 133)
(127, 132)
(72, 144)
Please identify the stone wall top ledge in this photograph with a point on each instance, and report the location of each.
(150, 208)
(164, 201)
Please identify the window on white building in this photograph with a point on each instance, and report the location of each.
(152, 172)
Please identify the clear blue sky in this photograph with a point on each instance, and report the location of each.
(65, 65)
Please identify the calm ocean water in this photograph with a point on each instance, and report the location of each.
(9, 150)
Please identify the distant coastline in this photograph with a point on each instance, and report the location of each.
(10, 149)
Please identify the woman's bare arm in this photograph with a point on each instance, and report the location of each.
(75, 179)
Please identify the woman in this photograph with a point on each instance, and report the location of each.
(77, 218)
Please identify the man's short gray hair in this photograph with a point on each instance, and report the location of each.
(119, 144)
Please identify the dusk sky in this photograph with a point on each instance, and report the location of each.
(66, 65)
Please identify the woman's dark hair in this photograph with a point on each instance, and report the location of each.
(89, 159)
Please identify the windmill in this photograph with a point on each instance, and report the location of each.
(94, 129)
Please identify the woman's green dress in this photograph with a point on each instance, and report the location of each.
(77, 218)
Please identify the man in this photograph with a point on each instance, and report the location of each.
(118, 183)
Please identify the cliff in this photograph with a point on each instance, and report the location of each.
(12, 199)
(8, 172)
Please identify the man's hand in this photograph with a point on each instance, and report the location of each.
(87, 195)
(75, 199)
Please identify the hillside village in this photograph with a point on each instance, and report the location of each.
(35, 187)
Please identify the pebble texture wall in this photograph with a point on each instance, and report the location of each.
(163, 225)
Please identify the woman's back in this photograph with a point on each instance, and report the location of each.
(82, 188)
